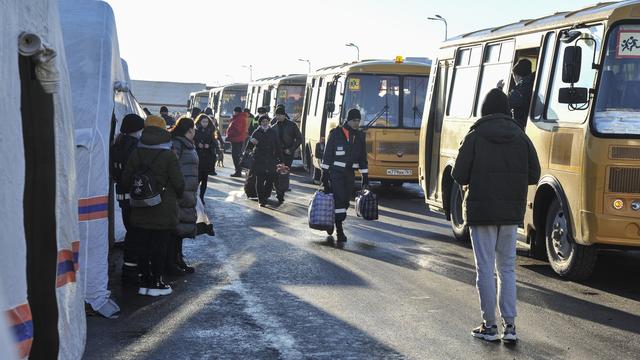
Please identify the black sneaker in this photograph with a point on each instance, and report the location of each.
(509, 334)
(159, 288)
(280, 200)
(236, 175)
(484, 332)
(330, 240)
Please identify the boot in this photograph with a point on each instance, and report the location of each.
(158, 288)
(172, 268)
(181, 264)
(342, 238)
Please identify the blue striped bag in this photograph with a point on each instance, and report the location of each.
(322, 211)
(367, 205)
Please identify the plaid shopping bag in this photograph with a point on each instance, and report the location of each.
(321, 211)
(367, 205)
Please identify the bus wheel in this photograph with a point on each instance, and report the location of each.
(567, 258)
(458, 225)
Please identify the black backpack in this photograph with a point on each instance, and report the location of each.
(145, 190)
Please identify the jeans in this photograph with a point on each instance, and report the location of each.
(494, 248)
(236, 154)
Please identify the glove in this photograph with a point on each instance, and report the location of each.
(365, 181)
(324, 179)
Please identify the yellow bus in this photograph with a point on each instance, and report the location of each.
(390, 96)
(199, 99)
(272, 91)
(222, 100)
(583, 119)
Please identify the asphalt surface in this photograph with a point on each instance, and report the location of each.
(268, 287)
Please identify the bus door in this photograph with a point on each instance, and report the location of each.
(434, 128)
(329, 106)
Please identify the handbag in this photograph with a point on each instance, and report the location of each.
(247, 160)
(322, 211)
(367, 205)
(203, 224)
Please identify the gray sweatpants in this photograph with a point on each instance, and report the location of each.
(494, 247)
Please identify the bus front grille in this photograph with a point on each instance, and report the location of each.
(398, 148)
(625, 153)
(624, 180)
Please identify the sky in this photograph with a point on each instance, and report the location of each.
(207, 41)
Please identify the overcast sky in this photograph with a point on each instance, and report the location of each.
(209, 41)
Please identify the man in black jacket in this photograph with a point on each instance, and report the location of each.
(290, 139)
(124, 145)
(267, 155)
(520, 95)
(497, 162)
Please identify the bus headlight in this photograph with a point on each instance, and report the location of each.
(635, 205)
(618, 204)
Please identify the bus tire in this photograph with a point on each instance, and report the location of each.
(568, 259)
(458, 224)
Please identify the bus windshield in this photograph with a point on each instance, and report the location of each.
(414, 94)
(376, 96)
(292, 96)
(231, 100)
(618, 106)
(201, 101)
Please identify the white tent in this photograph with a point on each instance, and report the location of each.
(38, 74)
(100, 99)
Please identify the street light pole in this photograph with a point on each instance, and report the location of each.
(308, 63)
(440, 18)
(355, 46)
(250, 67)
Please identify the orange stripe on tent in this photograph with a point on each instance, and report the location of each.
(64, 255)
(94, 201)
(19, 314)
(94, 216)
(24, 348)
(65, 279)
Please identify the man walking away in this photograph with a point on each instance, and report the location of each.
(237, 135)
(520, 95)
(164, 112)
(290, 139)
(497, 162)
(123, 147)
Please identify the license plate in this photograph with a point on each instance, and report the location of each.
(399, 172)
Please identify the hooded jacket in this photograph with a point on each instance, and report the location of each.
(238, 128)
(290, 136)
(154, 149)
(498, 162)
(188, 160)
(207, 155)
(267, 153)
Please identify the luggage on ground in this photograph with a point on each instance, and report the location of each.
(283, 182)
(367, 205)
(250, 186)
(322, 211)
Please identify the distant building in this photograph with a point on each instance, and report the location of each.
(173, 95)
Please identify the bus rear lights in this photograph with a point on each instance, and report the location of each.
(618, 204)
(635, 205)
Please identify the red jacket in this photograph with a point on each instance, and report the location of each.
(238, 128)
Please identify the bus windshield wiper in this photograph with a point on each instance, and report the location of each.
(384, 109)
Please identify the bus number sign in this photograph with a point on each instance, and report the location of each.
(354, 84)
(628, 45)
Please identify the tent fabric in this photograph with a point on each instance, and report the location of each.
(99, 90)
(39, 17)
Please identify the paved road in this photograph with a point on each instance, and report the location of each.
(268, 287)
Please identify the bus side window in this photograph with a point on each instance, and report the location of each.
(496, 66)
(463, 91)
(562, 112)
(542, 81)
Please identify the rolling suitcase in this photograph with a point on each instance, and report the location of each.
(250, 186)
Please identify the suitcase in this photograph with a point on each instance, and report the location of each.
(322, 211)
(283, 182)
(250, 186)
(367, 205)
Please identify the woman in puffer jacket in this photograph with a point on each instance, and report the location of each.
(182, 137)
(207, 148)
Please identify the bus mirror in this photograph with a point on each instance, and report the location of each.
(330, 107)
(571, 64)
(573, 95)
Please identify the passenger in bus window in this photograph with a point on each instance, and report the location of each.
(520, 95)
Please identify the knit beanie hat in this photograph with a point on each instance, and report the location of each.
(262, 110)
(280, 111)
(157, 121)
(522, 68)
(353, 114)
(131, 123)
(496, 102)
(263, 117)
(237, 109)
(163, 109)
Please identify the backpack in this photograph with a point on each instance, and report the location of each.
(145, 190)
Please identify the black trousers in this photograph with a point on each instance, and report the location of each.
(236, 154)
(264, 185)
(203, 179)
(131, 244)
(153, 251)
(342, 183)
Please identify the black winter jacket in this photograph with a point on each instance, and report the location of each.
(207, 148)
(120, 152)
(290, 136)
(498, 161)
(267, 152)
(340, 153)
(520, 100)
